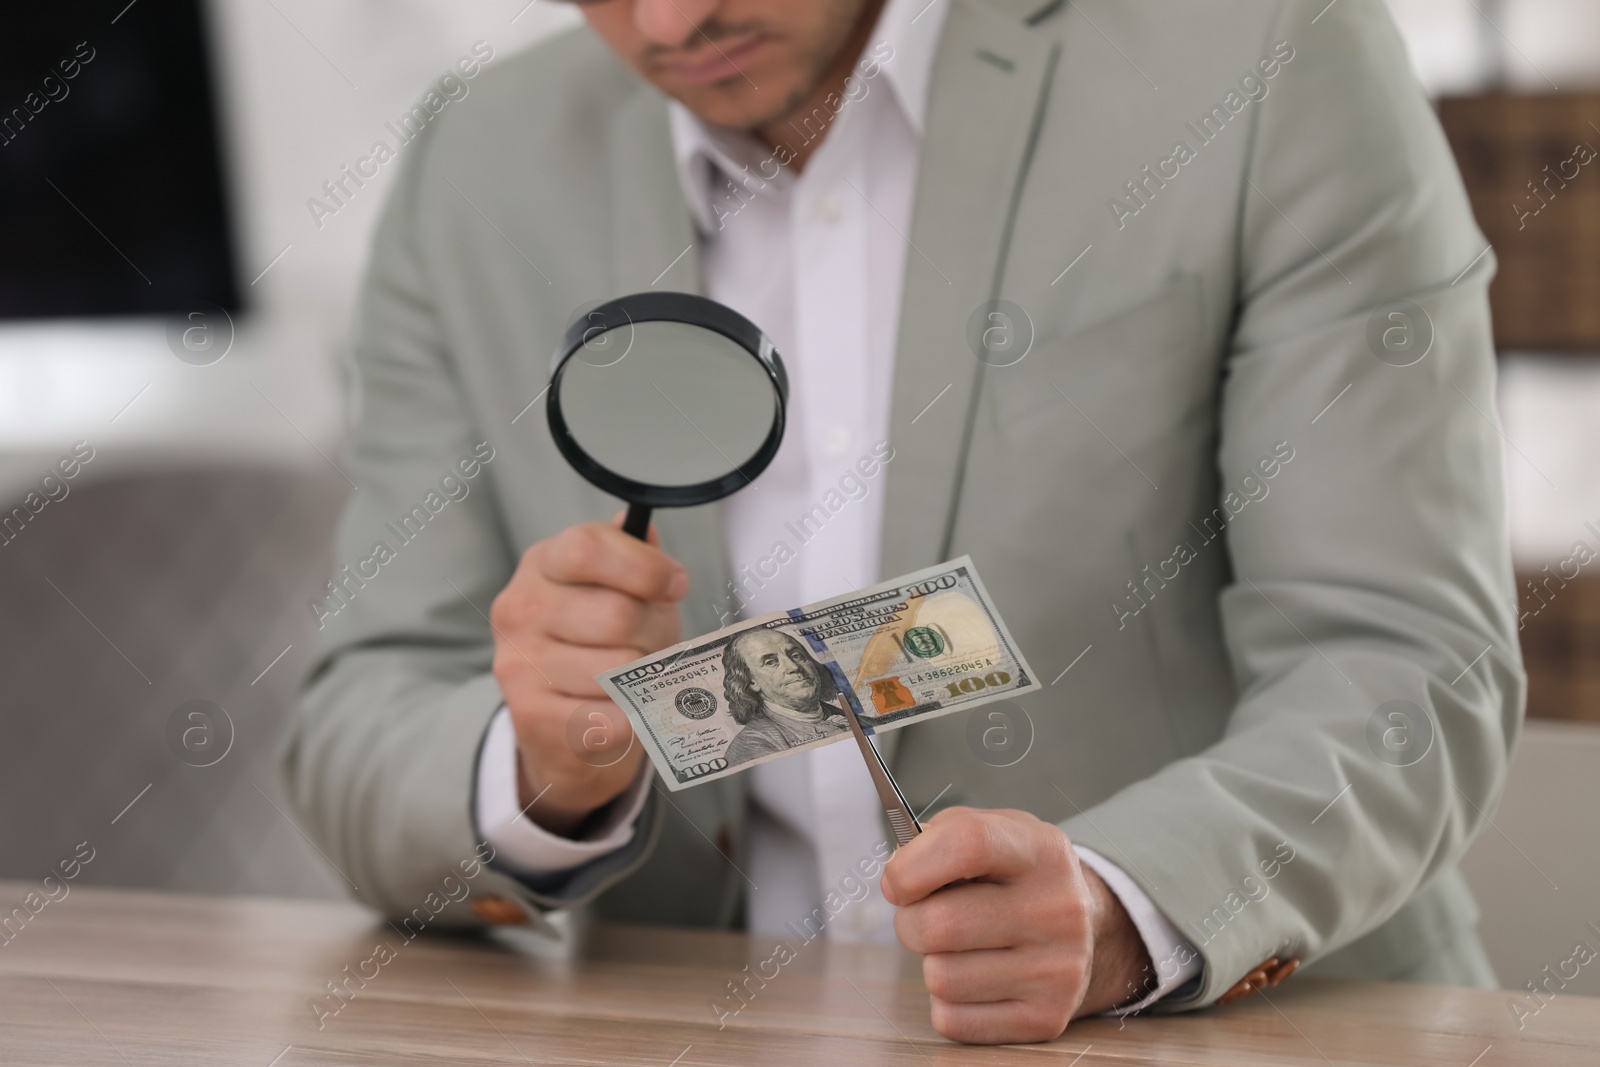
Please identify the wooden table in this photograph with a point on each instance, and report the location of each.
(127, 978)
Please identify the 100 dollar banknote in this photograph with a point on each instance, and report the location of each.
(900, 652)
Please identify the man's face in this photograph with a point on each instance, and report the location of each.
(739, 63)
(782, 671)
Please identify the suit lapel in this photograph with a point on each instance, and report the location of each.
(986, 96)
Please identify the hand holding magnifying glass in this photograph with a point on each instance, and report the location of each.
(664, 400)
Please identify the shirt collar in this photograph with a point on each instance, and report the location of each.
(910, 28)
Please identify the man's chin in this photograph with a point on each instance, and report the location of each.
(734, 104)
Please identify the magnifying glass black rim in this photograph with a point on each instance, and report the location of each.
(668, 307)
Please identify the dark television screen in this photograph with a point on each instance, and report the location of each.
(111, 177)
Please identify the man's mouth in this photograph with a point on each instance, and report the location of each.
(716, 61)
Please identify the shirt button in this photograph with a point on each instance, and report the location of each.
(836, 440)
(829, 209)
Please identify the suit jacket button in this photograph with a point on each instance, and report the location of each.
(499, 911)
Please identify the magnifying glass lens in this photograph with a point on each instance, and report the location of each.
(667, 403)
(666, 400)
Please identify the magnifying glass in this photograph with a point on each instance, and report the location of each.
(666, 400)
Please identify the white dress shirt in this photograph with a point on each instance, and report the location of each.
(816, 259)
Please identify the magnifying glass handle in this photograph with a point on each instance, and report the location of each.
(637, 522)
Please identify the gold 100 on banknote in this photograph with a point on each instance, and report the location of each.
(902, 651)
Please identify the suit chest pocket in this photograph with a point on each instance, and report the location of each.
(1136, 378)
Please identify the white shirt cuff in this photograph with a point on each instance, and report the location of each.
(523, 844)
(1174, 959)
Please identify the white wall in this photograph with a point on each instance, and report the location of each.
(311, 85)
(1465, 46)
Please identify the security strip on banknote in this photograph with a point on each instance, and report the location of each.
(903, 651)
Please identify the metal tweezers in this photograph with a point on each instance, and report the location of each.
(901, 819)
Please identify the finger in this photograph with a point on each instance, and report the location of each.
(594, 553)
(957, 843)
(593, 615)
(998, 1023)
(1005, 974)
(963, 918)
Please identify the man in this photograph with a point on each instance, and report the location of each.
(778, 694)
(1225, 522)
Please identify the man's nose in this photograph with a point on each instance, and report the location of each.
(672, 22)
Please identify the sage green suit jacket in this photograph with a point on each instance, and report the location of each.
(1231, 636)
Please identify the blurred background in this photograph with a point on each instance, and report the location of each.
(159, 161)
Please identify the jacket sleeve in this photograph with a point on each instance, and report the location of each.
(1379, 571)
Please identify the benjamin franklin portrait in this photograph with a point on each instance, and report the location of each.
(780, 696)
